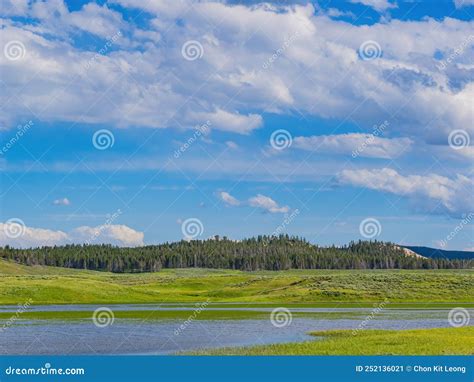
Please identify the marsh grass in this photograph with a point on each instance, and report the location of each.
(445, 341)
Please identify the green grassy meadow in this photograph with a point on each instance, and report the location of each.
(408, 289)
(446, 341)
(325, 288)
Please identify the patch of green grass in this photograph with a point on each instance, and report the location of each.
(172, 315)
(446, 341)
(325, 288)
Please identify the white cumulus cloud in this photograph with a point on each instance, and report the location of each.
(234, 122)
(267, 203)
(233, 84)
(258, 201)
(378, 5)
(453, 194)
(120, 235)
(228, 199)
(26, 237)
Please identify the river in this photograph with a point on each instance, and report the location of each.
(164, 336)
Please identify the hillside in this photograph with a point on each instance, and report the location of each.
(435, 253)
(326, 288)
(259, 253)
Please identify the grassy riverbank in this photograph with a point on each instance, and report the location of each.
(404, 288)
(446, 341)
(147, 315)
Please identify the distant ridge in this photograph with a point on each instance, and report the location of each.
(435, 253)
(272, 253)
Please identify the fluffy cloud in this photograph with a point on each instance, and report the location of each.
(366, 145)
(228, 199)
(97, 20)
(268, 204)
(463, 3)
(55, 17)
(334, 12)
(378, 5)
(454, 195)
(259, 201)
(290, 60)
(14, 7)
(120, 235)
(235, 122)
(18, 235)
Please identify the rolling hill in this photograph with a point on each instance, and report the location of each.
(435, 253)
(254, 254)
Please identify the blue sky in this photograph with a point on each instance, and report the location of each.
(127, 121)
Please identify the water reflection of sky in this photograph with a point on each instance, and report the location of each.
(135, 336)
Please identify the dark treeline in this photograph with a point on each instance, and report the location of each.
(259, 253)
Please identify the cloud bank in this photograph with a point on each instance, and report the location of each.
(292, 58)
(18, 235)
(452, 195)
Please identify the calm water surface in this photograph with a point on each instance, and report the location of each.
(135, 336)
